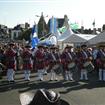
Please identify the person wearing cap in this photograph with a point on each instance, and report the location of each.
(84, 57)
(39, 62)
(2, 58)
(46, 60)
(94, 54)
(66, 59)
(54, 60)
(10, 55)
(27, 62)
(64, 63)
(101, 62)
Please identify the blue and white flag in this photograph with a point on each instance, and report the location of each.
(35, 39)
(53, 25)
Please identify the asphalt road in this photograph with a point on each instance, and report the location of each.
(91, 92)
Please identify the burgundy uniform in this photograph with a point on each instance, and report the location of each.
(66, 58)
(46, 60)
(10, 59)
(27, 60)
(39, 55)
(83, 57)
(101, 59)
(54, 59)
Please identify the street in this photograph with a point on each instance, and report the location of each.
(91, 92)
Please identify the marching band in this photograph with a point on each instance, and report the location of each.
(49, 59)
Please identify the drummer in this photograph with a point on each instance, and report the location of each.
(27, 62)
(39, 61)
(46, 60)
(101, 62)
(54, 60)
(66, 59)
(85, 55)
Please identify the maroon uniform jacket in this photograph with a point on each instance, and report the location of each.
(10, 59)
(27, 60)
(40, 57)
(82, 57)
(101, 59)
(66, 59)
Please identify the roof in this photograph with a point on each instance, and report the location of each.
(75, 39)
(60, 22)
(86, 36)
(65, 35)
(97, 39)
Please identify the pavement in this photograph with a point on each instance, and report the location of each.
(91, 92)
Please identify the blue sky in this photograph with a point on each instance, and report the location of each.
(13, 12)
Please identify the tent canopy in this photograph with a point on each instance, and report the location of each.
(75, 39)
(86, 36)
(65, 35)
(97, 39)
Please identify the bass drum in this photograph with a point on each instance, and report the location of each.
(89, 66)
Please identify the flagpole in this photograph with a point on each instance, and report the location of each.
(93, 24)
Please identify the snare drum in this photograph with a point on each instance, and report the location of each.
(71, 65)
(55, 67)
(1, 70)
(88, 66)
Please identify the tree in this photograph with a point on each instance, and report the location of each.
(26, 35)
(103, 27)
(42, 27)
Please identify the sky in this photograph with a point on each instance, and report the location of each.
(83, 12)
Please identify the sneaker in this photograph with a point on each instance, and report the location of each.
(71, 79)
(41, 79)
(12, 81)
(45, 73)
(56, 79)
(51, 79)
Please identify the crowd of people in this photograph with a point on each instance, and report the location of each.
(49, 59)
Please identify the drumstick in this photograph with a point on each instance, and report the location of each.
(2, 65)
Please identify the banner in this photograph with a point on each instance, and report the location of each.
(53, 25)
(35, 39)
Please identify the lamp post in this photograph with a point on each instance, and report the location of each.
(43, 21)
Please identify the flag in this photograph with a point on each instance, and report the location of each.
(74, 26)
(53, 25)
(62, 29)
(35, 39)
(93, 23)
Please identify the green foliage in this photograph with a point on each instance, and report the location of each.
(42, 27)
(25, 35)
(103, 27)
(62, 29)
(74, 26)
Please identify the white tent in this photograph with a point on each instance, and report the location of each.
(97, 39)
(65, 35)
(74, 38)
(86, 36)
(57, 34)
